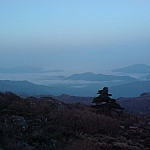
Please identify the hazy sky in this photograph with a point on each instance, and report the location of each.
(74, 35)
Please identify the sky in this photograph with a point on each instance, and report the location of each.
(74, 35)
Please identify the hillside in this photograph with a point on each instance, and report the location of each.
(46, 123)
(133, 105)
(133, 89)
(137, 68)
(74, 99)
(136, 105)
(147, 77)
(27, 88)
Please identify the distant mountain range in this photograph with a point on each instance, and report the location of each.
(84, 84)
(25, 88)
(26, 69)
(147, 77)
(137, 68)
(133, 89)
(88, 76)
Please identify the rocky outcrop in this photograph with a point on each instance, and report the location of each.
(15, 124)
(16, 121)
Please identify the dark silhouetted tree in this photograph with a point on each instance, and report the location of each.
(104, 101)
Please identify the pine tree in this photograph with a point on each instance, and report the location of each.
(104, 101)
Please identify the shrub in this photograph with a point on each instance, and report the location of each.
(83, 121)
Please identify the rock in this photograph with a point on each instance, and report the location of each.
(122, 127)
(15, 124)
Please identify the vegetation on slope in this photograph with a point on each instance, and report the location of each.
(45, 123)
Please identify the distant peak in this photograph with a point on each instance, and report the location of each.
(136, 68)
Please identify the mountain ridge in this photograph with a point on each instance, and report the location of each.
(89, 76)
(136, 68)
(132, 89)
